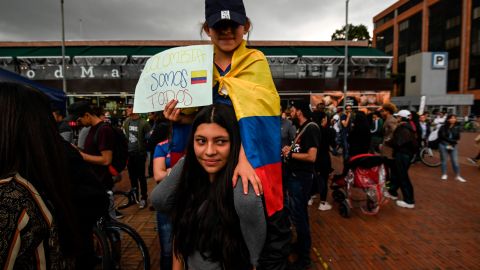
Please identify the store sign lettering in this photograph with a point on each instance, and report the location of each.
(40, 72)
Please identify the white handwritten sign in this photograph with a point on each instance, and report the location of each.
(182, 73)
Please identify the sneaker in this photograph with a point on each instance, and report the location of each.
(390, 196)
(142, 204)
(473, 160)
(324, 206)
(118, 214)
(310, 202)
(461, 179)
(444, 177)
(405, 205)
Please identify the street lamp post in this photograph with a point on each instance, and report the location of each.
(345, 66)
(64, 80)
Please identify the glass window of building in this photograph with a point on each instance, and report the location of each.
(445, 28)
(384, 41)
(474, 67)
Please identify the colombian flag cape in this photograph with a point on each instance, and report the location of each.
(250, 86)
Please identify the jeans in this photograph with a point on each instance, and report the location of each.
(453, 158)
(402, 180)
(136, 172)
(299, 184)
(165, 236)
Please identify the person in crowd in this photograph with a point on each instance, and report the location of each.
(440, 118)
(335, 123)
(320, 107)
(376, 130)
(323, 163)
(449, 134)
(404, 144)
(359, 137)
(159, 132)
(287, 128)
(240, 73)
(301, 158)
(345, 127)
(476, 160)
(136, 129)
(38, 225)
(99, 142)
(389, 125)
(424, 127)
(63, 127)
(201, 203)
(99, 153)
(161, 168)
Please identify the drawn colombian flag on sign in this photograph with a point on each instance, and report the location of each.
(199, 76)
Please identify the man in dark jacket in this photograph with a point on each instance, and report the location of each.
(136, 130)
(404, 144)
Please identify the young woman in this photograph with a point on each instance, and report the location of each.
(449, 134)
(242, 79)
(37, 219)
(206, 228)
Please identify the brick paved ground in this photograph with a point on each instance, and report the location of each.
(442, 232)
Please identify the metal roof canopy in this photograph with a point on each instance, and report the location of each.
(73, 51)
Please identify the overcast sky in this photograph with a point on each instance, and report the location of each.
(313, 20)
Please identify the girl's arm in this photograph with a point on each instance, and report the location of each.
(160, 170)
(245, 171)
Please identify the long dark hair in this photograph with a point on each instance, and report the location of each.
(31, 146)
(204, 217)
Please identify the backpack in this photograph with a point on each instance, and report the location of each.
(119, 151)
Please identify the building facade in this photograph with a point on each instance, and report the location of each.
(409, 27)
(107, 71)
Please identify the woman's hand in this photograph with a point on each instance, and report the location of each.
(245, 171)
(171, 113)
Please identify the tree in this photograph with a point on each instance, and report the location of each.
(355, 33)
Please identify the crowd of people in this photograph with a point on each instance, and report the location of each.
(227, 195)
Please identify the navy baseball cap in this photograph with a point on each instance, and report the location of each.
(218, 10)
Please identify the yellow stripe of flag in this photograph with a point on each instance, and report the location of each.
(199, 73)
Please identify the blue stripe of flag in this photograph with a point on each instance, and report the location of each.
(261, 139)
(199, 80)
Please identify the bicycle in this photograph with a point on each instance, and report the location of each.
(119, 246)
(428, 156)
